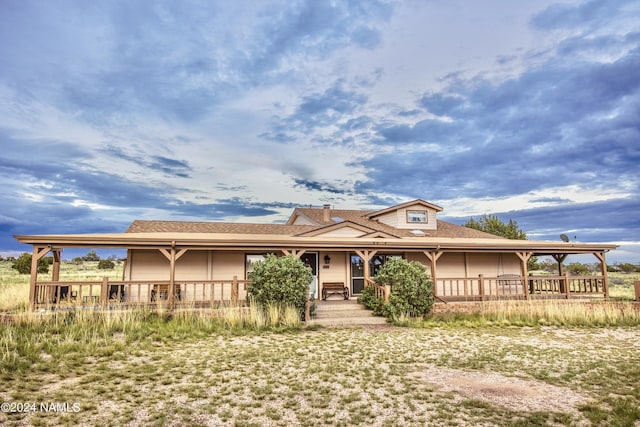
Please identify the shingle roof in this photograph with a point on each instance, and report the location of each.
(143, 226)
(444, 229)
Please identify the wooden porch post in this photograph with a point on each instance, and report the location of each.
(172, 256)
(567, 288)
(104, 292)
(560, 259)
(603, 269)
(235, 291)
(433, 256)
(38, 253)
(524, 259)
(366, 257)
(55, 274)
(295, 252)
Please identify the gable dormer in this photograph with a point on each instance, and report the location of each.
(413, 215)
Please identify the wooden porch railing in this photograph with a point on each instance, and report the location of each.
(518, 287)
(382, 292)
(131, 293)
(214, 292)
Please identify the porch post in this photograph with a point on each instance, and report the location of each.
(366, 257)
(235, 291)
(433, 256)
(104, 292)
(55, 274)
(295, 252)
(560, 259)
(172, 277)
(524, 259)
(172, 256)
(603, 269)
(38, 252)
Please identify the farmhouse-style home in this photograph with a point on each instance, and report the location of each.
(203, 263)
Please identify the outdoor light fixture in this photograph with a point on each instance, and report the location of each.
(327, 260)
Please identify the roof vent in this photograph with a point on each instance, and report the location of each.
(418, 233)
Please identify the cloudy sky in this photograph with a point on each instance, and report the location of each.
(241, 110)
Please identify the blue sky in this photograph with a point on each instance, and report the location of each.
(239, 111)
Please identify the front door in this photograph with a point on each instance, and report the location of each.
(357, 275)
(310, 259)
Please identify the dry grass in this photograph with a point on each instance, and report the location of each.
(234, 367)
(155, 371)
(562, 312)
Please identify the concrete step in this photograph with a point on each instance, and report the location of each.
(344, 313)
(329, 305)
(353, 321)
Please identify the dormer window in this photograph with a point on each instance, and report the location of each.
(417, 217)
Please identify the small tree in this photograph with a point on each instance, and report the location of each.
(628, 267)
(578, 269)
(23, 264)
(91, 256)
(411, 289)
(283, 280)
(493, 225)
(106, 264)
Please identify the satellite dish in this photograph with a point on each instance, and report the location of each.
(564, 238)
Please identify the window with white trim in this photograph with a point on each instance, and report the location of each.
(417, 217)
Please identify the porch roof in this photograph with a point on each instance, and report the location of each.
(234, 241)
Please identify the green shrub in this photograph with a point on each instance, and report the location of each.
(23, 264)
(106, 264)
(411, 289)
(283, 280)
(369, 300)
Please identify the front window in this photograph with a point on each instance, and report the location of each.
(250, 260)
(377, 261)
(417, 216)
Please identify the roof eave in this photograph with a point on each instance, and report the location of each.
(213, 241)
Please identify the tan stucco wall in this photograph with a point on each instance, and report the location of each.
(193, 265)
(149, 265)
(420, 257)
(493, 265)
(228, 264)
(337, 271)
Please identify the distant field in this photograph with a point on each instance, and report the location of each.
(621, 285)
(14, 287)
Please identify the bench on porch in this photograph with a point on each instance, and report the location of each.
(334, 288)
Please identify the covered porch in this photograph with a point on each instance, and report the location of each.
(459, 273)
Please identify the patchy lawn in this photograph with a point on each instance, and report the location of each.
(451, 375)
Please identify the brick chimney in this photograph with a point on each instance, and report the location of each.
(326, 213)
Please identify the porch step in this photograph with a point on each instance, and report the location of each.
(344, 313)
